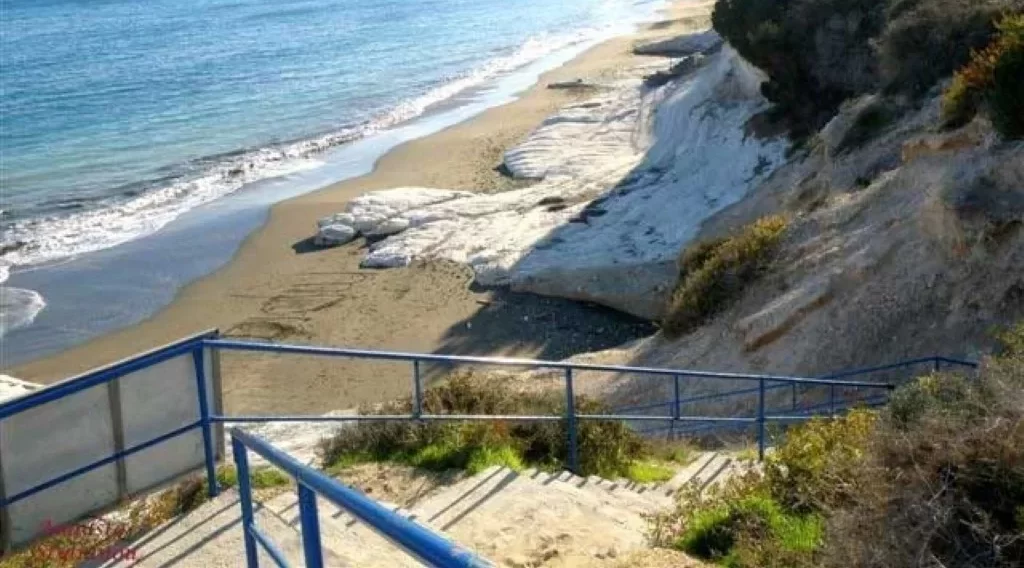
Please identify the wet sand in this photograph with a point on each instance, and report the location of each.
(281, 288)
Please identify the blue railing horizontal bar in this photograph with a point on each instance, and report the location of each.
(645, 407)
(855, 372)
(415, 539)
(100, 376)
(650, 418)
(507, 362)
(99, 463)
(721, 395)
(890, 367)
(961, 362)
(466, 418)
(275, 553)
(386, 418)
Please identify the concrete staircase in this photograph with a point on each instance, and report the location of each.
(528, 518)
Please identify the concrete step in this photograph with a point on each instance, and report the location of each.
(211, 537)
(500, 511)
(708, 469)
(348, 539)
(613, 493)
(620, 507)
(717, 470)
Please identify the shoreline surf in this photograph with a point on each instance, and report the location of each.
(40, 243)
(278, 288)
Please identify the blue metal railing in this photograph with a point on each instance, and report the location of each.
(197, 345)
(571, 417)
(420, 542)
(91, 379)
(797, 412)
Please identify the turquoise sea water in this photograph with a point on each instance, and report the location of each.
(119, 117)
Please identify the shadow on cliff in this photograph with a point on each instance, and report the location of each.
(537, 327)
(551, 328)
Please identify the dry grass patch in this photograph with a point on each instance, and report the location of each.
(109, 537)
(607, 449)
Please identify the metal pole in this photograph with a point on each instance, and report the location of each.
(245, 499)
(832, 400)
(760, 421)
(204, 416)
(938, 364)
(570, 415)
(794, 397)
(675, 407)
(310, 527)
(417, 389)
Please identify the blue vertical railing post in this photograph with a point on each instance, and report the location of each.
(832, 400)
(204, 416)
(794, 397)
(417, 389)
(245, 499)
(675, 406)
(938, 363)
(760, 421)
(310, 527)
(570, 416)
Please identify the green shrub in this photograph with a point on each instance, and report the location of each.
(1006, 98)
(817, 468)
(924, 41)
(1012, 342)
(712, 274)
(644, 471)
(944, 476)
(774, 518)
(817, 53)
(812, 64)
(936, 479)
(992, 77)
(604, 448)
(267, 477)
(488, 456)
(752, 531)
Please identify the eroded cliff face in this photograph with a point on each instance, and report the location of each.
(619, 182)
(910, 244)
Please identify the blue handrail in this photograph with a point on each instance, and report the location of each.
(677, 403)
(571, 416)
(427, 546)
(197, 345)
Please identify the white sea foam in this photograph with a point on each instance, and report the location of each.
(45, 239)
(55, 237)
(18, 307)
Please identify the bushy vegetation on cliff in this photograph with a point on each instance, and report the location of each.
(713, 273)
(608, 449)
(994, 78)
(936, 479)
(818, 53)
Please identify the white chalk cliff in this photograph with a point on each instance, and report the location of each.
(624, 180)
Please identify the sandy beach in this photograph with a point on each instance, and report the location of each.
(279, 287)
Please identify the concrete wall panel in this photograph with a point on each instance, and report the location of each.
(53, 439)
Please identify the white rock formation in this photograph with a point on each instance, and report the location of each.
(379, 213)
(11, 387)
(333, 235)
(625, 180)
(679, 46)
